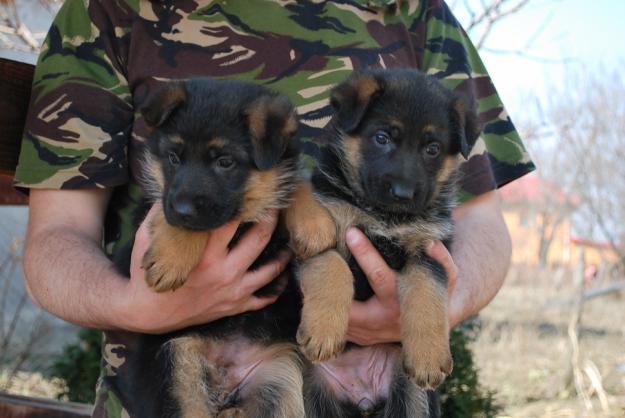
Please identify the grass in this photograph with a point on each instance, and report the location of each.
(524, 352)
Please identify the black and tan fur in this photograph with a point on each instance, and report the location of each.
(381, 173)
(219, 151)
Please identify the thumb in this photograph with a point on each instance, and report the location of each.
(380, 276)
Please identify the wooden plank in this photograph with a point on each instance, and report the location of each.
(15, 86)
(13, 406)
(8, 194)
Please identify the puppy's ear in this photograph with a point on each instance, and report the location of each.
(272, 124)
(465, 126)
(162, 103)
(352, 98)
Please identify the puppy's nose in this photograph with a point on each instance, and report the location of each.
(402, 191)
(184, 209)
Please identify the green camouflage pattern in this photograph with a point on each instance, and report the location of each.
(102, 57)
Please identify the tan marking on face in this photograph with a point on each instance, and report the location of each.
(429, 129)
(261, 193)
(217, 143)
(397, 127)
(353, 154)
(447, 170)
(327, 286)
(309, 223)
(176, 139)
(153, 180)
(425, 326)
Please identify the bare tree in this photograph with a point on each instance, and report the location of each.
(20, 329)
(483, 16)
(15, 33)
(583, 148)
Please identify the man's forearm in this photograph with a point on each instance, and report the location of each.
(65, 269)
(481, 252)
(74, 279)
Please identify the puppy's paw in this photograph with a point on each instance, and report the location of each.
(161, 273)
(319, 342)
(231, 413)
(427, 366)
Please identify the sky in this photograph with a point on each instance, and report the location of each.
(563, 36)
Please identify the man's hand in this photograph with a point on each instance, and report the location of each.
(480, 234)
(220, 285)
(68, 274)
(377, 320)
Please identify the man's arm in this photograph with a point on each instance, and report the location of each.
(477, 266)
(68, 274)
(481, 252)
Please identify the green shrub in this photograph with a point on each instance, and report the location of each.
(79, 367)
(462, 395)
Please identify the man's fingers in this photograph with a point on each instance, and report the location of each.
(217, 245)
(440, 253)
(359, 313)
(253, 242)
(254, 280)
(380, 276)
(255, 303)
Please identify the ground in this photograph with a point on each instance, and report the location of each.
(524, 352)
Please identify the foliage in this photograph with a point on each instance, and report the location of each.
(79, 367)
(461, 394)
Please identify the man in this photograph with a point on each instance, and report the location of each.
(81, 153)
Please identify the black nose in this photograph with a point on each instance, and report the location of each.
(402, 191)
(184, 209)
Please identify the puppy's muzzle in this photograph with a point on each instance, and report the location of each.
(187, 210)
(402, 191)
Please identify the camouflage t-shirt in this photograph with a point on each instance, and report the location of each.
(101, 57)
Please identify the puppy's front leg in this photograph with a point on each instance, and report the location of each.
(173, 253)
(310, 225)
(424, 324)
(328, 289)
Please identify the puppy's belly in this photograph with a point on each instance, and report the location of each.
(362, 375)
(237, 360)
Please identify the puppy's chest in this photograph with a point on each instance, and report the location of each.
(394, 241)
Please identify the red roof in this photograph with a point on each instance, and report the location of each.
(604, 245)
(533, 188)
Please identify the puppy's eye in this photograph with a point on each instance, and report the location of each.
(433, 149)
(173, 158)
(225, 162)
(382, 138)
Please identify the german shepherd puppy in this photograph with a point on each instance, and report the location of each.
(219, 151)
(389, 168)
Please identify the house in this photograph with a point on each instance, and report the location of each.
(539, 216)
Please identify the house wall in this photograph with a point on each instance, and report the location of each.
(524, 227)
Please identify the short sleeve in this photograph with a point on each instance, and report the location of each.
(499, 155)
(80, 114)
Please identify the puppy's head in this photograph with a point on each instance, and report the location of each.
(400, 134)
(217, 150)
